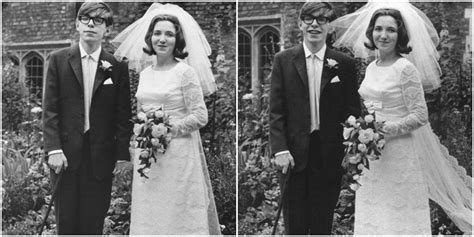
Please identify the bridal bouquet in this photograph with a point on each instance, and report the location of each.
(151, 134)
(363, 142)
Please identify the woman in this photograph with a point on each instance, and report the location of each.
(414, 166)
(177, 198)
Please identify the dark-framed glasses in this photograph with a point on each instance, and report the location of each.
(321, 20)
(96, 20)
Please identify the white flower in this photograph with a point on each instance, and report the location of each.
(369, 118)
(356, 177)
(361, 147)
(351, 120)
(331, 62)
(355, 159)
(354, 186)
(106, 64)
(137, 129)
(376, 136)
(159, 114)
(360, 166)
(159, 130)
(141, 116)
(155, 142)
(347, 132)
(36, 109)
(381, 144)
(248, 96)
(366, 135)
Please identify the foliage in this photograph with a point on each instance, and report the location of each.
(219, 144)
(117, 221)
(13, 97)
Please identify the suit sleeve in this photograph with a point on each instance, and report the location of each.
(51, 131)
(123, 113)
(278, 116)
(353, 103)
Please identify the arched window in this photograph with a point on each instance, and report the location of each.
(258, 42)
(34, 76)
(244, 59)
(268, 45)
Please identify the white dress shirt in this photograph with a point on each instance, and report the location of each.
(89, 64)
(89, 69)
(314, 69)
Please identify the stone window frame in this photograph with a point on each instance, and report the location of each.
(22, 52)
(34, 63)
(256, 27)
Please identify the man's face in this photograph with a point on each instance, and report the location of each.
(314, 32)
(93, 31)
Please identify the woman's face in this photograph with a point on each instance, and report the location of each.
(163, 38)
(385, 34)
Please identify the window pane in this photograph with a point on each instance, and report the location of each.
(244, 62)
(34, 77)
(268, 47)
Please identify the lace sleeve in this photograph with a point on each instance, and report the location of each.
(414, 100)
(194, 101)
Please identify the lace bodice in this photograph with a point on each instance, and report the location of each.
(179, 91)
(382, 89)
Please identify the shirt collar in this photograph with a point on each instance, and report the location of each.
(95, 55)
(319, 54)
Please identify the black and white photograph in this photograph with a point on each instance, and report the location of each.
(118, 118)
(236, 117)
(355, 118)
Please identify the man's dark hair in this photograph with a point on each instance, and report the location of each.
(104, 11)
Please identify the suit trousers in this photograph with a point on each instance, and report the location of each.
(312, 195)
(82, 200)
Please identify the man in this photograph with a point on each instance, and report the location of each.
(313, 90)
(86, 123)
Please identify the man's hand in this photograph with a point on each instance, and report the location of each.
(122, 167)
(57, 162)
(283, 161)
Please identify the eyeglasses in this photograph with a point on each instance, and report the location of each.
(96, 20)
(310, 19)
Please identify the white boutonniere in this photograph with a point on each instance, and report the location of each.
(331, 63)
(105, 65)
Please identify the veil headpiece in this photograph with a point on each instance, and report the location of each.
(351, 28)
(131, 41)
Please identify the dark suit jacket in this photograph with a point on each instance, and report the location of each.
(110, 111)
(290, 110)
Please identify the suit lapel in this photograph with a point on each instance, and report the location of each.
(75, 62)
(299, 61)
(326, 75)
(100, 73)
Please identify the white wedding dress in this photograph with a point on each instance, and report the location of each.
(177, 198)
(393, 198)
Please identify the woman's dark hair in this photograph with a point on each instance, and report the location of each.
(180, 42)
(402, 41)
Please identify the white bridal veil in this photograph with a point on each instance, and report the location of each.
(447, 182)
(131, 41)
(350, 31)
